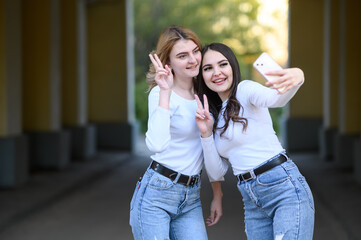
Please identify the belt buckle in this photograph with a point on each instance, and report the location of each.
(246, 179)
(192, 180)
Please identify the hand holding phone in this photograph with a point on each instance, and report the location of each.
(265, 63)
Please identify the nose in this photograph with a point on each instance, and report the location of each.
(192, 58)
(217, 72)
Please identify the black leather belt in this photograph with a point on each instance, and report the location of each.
(169, 173)
(263, 168)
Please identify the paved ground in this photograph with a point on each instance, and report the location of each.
(90, 200)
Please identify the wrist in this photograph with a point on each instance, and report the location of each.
(164, 97)
(206, 134)
(217, 190)
(218, 195)
(165, 90)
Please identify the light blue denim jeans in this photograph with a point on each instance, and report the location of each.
(278, 205)
(162, 209)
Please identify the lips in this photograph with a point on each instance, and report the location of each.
(193, 67)
(219, 81)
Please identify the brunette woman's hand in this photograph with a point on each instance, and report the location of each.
(163, 75)
(288, 78)
(204, 119)
(216, 212)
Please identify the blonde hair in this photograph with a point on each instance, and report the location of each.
(167, 39)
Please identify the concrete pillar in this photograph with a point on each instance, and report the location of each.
(349, 84)
(304, 112)
(13, 144)
(348, 153)
(107, 73)
(357, 157)
(49, 143)
(331, 67)
(74, 79)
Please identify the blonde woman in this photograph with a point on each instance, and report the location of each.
(166, 202)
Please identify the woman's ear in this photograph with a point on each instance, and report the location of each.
(170, 66)
(168, 63)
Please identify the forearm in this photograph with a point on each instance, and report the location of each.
(164, 98)
(158, 133)
(261, 96)
(217, 189)
(282, 99)
(287, 85)
(216, 205)
(216, 167)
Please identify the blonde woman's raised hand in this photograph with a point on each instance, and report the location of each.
(163, 75)
(204, 119)
(288, 78)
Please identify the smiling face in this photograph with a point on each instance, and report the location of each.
(184, 59)
(217, 73)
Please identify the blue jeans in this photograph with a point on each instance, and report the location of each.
(278, 205)
(162, 209)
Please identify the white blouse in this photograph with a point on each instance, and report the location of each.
(246, 149)
(173, 134)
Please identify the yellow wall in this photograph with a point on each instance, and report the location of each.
(352, 68)
(2, 72)
(69, 62)
(36, 65)
(306, 52)
(107, 73)
(334, 62)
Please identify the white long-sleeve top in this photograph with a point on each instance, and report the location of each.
(173, 134)
(258, 143)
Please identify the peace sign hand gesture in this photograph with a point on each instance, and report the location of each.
(163, 76)
(204, 119)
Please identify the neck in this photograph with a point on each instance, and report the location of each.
(223, 96)
(184, 88)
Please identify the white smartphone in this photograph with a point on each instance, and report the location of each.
(265, 63)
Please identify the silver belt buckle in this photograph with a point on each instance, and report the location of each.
(189, 180)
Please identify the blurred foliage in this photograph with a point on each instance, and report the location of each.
(276, 114)
(233, 22)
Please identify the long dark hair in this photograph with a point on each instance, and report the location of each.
(233, 106)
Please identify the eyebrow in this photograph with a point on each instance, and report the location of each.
(223, 60)
(186, 52)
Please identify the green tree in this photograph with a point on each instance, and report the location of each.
(233, 22)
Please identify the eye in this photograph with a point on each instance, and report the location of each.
(224, 64)
(182, 56)
(205, 69)
(196, 51)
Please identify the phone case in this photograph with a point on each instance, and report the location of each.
(265, 63)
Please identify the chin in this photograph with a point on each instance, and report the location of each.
(194, 75)
(195, 72)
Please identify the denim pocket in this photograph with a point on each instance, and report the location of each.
(137, 186)
(275, 176)
(160, 182)
(304, 183)
(289, 165)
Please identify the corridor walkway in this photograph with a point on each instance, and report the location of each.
(90, 201)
